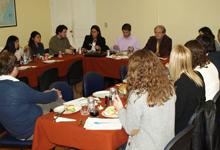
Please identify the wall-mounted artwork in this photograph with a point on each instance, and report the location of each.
(7, 13)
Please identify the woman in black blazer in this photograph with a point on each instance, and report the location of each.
(94, 41)
(189, 86)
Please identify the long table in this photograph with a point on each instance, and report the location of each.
(33, 73)
(107, 67)
(48, 134)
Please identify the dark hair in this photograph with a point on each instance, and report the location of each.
(7, 62)
(207, 42)
(207, 31)
(97, 29)
(199, 57)
(60, 28)
(31, 43)
(126, 27)
(10, 44)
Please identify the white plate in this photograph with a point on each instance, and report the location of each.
(76, 102)
(49, 61)
(60, 109)
(25, 67)
(101, 94)
(109, 116)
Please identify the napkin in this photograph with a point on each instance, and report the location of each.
(102, 124)
(62, 119)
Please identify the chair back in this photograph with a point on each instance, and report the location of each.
(66, 90)
(75, 73)
(47, 78)
(92, 82)
(7, 140)
(182, 141)
(216, 100)
(123, 72)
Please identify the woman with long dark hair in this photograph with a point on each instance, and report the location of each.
(12, 44)
(35, 46)
(94, 41)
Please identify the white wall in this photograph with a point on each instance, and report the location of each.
(182, 18)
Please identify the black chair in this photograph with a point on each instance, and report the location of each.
(47, 78)
(75, 73)
(92, 82)
(7, 140)
(216, 99)
(182, 141)
(24, 79)
(123, 72)
(66, 90)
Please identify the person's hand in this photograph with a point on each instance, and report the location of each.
(116, 47)
(98, 48)
(59, 94)
(117, 103)
(84, 50)
(26, 49)
(134, 132)
(68, 51)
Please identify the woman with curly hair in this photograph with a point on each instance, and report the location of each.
(150, 112)
(189, 86)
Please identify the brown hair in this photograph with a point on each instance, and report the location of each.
(146, 73)
(7, 62)
(199, 57)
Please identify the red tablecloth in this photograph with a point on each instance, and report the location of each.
(48, 134)
(105, 66)
(33, 73)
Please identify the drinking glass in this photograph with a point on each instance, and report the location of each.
(84, 109)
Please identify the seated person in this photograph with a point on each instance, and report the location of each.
(189, 86)
(213, 56)
(208, 32)
(94, 41)
(127, 40)
(203, 65)
(149, 116)
(161, 44)
(12, 46)
(60, 42)
(18, 102)
(35, 47)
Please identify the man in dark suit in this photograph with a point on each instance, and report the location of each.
(160, 44)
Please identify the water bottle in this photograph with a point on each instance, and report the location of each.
(91, 104)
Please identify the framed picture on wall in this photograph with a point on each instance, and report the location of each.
(7, 13)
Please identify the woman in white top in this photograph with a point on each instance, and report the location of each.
(149, 115)
(208, 70)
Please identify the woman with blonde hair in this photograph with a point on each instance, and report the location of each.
(189, 85)
(150, 112)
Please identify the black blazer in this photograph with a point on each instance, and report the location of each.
(87, 44)
(165, 45)
(189, 96)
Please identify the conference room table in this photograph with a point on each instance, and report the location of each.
(49, 133)
(39, 66)
(107, 67)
